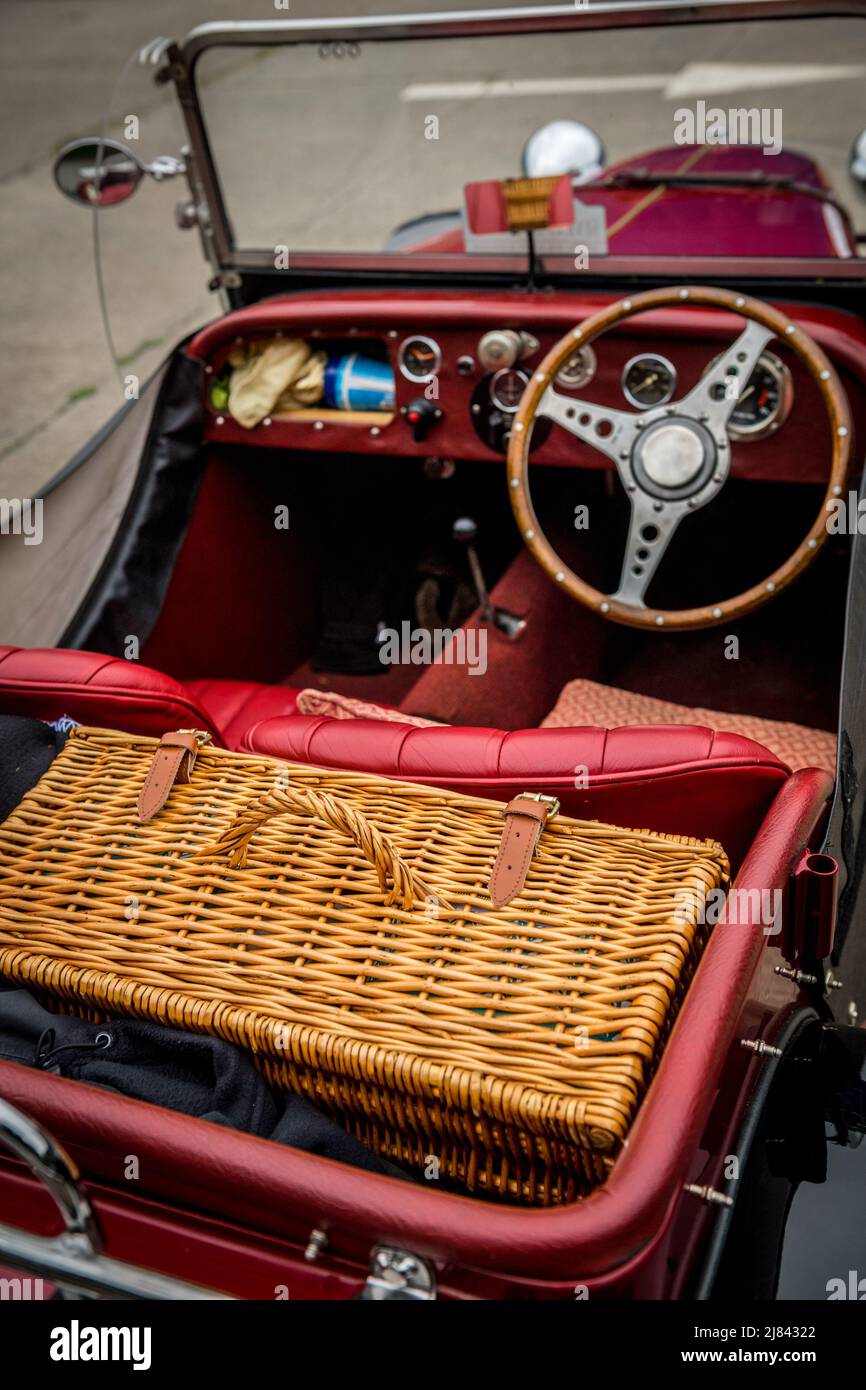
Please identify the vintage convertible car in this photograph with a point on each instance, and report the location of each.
(476, 438)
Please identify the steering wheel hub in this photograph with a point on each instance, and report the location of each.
(673, 458)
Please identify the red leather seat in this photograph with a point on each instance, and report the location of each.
(116, 694)
(679, 779)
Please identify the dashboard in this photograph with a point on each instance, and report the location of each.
(440, 376)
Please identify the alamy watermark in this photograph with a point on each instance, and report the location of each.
(22, 516)
(739, 907)
(711, 125)
(421, 646)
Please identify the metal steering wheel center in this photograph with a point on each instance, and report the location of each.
(673, 458)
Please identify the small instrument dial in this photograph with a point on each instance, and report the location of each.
(419, 358)
(648, 380)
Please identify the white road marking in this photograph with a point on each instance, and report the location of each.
(534, 86)
(694, 80)
(701, 79)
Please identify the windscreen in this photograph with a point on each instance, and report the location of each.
(725, 140)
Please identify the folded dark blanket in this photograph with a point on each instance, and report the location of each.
(197, 1075)
(27, 749)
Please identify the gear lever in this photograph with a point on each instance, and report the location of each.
(465, 532)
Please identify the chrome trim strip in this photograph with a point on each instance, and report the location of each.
(598, 14)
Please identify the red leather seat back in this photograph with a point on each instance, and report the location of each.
(681, 779)
(93, 688)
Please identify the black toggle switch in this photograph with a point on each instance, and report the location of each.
(421, 416)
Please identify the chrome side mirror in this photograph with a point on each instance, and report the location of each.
(564, 147)
(857, 161)
(97, 172)
(101, 172)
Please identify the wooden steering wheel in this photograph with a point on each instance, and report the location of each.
(671, 459)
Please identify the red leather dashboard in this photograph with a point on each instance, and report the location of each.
(689, 338)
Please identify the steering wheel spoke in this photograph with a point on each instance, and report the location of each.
(714, 399)
(612, 432)
(651, 528)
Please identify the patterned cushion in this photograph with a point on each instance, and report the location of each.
(584, 702)
(333, 706)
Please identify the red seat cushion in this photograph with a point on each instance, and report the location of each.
(115, 694)
(233, 706)
(95, 689)
(677, 779)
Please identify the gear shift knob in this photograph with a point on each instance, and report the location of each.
(465, 530)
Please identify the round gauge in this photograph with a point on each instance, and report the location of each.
(764, 403)
(579, 370)
(419, 358)
(506, 389)
(648, 380)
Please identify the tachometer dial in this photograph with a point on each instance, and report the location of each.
(764, 402)
(506, 388)
(578, 371)
(419, 358)
(648, 380)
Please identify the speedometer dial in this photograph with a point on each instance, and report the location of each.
(419, 358)
(648, 380)
(764, 402)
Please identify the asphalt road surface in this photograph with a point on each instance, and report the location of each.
(339, 153)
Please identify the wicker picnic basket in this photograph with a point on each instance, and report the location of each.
(338, 925)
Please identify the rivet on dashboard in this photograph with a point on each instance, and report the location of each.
(842, 431)
(559, 576)
(684, 294)
(660, 622)
(825, 375)
(220, 420)
(529, 533)
(739, 301)
(392, 332)
(837, 490)
(319, 425)
(539, 376)
(375, 430)
(208, 369)
(267, 420)
(717, 612)
(812, 542)
(790, 329)
(515, 482)
(626, 305)
(770, 586)
(518, 425)
(577, 333)
(605, 606)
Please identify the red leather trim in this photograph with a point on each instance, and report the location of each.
(205, 1167)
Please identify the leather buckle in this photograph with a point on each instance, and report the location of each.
(552, 802)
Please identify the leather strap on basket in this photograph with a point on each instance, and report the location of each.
(525, 818)
(173, 762)
(397, 880)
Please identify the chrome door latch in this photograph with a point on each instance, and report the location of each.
(398, 1274)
